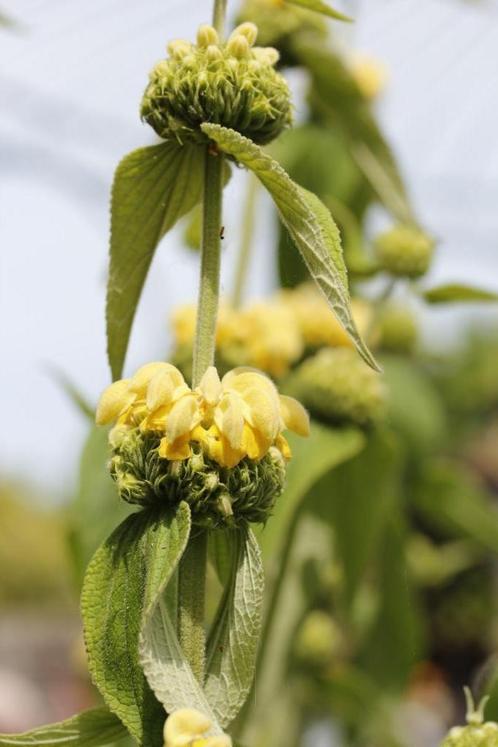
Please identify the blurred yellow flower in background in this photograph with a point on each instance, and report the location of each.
(370, 74)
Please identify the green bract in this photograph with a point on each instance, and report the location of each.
(232, 84)
(216, 495)
(405, 251)
(337, 387)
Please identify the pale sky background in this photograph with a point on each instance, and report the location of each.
(71, 79)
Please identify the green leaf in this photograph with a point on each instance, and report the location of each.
(336, 96)
(168, 673)
(126, 576)
(308, 222)
(153, 187)
(326, 448)
(220, 553)
(357, 499)
(96, 508)
(320, 7)
(456, 293)
(88, 729)
(234, 637)
(72, 392)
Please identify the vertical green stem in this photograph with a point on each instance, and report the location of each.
(245, 242)
(219, 13)
(209, 288)
(191, 602)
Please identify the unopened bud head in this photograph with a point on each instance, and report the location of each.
(405, 251)
(206, 36)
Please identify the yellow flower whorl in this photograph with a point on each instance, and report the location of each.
(233, 84)
(186, 727)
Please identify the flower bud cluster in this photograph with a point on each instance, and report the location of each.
(233, 84)
(338, 387)
(405, 251)
(220, 446)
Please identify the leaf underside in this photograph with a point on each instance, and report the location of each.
(88, 729)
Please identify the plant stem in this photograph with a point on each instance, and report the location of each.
(191, 602)
(209, 287)
(219, 12)
(245, 242)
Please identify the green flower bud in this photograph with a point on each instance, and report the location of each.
(398, 331)
(318, 640)
(335, 385)
(217, 495)
(405, 251)
(476, 733)
(231, 84)
(280, 23)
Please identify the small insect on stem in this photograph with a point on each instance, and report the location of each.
(222, 233)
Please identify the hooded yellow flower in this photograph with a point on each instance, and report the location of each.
(241, 415)
(187, 727)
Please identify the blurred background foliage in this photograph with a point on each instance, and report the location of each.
(381, 557)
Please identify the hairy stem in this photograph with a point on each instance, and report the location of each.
(219, 13)
(245, 242)
(209, 287)
(191, 603)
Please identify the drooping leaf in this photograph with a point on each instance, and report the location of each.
(320, 7)
(153, 187)
(93, 728)
(72, 391)
(313, 457)
(457, 293)
(308, 222)
(234, 637)
(338, 98)
(127, 575)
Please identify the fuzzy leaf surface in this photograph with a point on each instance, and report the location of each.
(88, 729)
(233, 640)
(308, 222)
(153, 187)
(126, 576)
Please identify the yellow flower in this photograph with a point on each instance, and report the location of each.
(183, 323)
(316, 322)
(240, 416)
(187, 727)
(371, 75)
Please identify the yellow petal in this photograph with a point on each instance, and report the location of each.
(114, 400)
(156, 421)
(264, 412)
(253, 443)
(242, 378)
(166, 386)
(210, 386)
(182, 418)
(185, 725)
(294, 415)
(218, 448)
(140, 381)
(283, 446)
(180, 449)
(229, 417)
(223, 740)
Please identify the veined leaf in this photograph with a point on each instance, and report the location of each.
(125, 577)
(308, 222)
(153, 187)
(337, 96)
(88, 729)
(457, 293)
(320, 7)
(234, 637)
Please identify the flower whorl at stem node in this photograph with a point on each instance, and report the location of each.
(219, 447)
(187, 727)
(405, 251)
(339, 387)
(233, 84)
